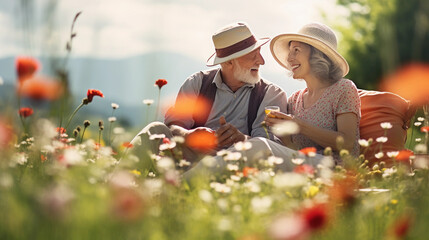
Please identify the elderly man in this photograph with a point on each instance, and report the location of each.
(234, 94)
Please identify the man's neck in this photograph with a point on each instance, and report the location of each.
(231, 81)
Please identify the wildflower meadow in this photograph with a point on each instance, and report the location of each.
(62, 179)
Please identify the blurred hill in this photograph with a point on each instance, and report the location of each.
(125, 81)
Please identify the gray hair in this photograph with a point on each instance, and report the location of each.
(323, 68)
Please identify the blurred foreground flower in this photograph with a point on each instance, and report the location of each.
(410, 82)
(187, 106)
(6, 134)
(304, 169)
(308, 151)
(404, 156)
(201, 140)
(401, 227)
(26, 67)
(25, 112)
(40, 88)
(343, 190)
(301, 224)
(286, 128)
(127, 204)
(316, 217)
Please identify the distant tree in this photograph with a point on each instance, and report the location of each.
(382, 35)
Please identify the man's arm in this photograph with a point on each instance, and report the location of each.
(275, 96)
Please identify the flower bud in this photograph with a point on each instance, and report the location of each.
(86, 123)
(340, 142)
(327, 151)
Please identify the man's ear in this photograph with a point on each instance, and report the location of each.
(228, 64)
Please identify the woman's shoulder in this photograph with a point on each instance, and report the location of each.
(344, 82)
(345, 85)
(295, 95)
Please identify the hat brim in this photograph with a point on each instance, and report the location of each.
(280, 49)
(214, 60)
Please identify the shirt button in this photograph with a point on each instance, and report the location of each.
(224, 113)
(235, 96)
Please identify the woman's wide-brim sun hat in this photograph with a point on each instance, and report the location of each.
(233, 41)
(317, 35)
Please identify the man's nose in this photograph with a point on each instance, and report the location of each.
(260, 59)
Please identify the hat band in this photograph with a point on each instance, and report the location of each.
(224, 52)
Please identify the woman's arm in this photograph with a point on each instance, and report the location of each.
(346, 125)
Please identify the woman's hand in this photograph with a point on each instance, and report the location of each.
(277, 117)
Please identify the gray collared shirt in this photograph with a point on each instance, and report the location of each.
(232, 105)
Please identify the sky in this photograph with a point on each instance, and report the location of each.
(123, 28)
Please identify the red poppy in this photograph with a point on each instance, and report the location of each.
(25, 112)
(304, 169)
(410, 82)
(60, 130)
(93, 92)
(401, 226)
(160, 83)
(343, 190)
(316, 216)
(404, 155)
(127, 145)
(247, 171)
(424, 129)
(201, 140)
(40, 88)
(26, 67)
(43, 158)
(308, 150)
(166, 141)
(127, 204)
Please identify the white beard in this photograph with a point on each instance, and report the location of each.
(244, 75)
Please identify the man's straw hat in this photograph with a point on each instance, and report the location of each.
(233, 41)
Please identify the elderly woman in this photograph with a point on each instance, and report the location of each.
(327, 111)
(329, 107)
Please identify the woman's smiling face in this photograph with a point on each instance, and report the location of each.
(298, 59)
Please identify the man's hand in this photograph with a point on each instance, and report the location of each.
(227, 134)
